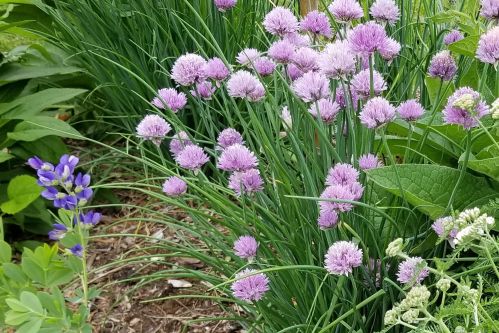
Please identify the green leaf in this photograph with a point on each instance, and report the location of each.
(434, 86)
(5, 251)
(39, 127)
(31, 302)
(15, 318)
(429, 187)
(488, 166)
(32, 326)
(22, 191)
(466, 46)
(5, 156)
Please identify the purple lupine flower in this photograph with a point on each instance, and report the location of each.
(66, 201)
(38, 164)
(410, 110)
(337, 60)
(294, 72)
(189, 69)
(342, 101)
(488, 47)
(342, 257)
(305, 59)
(328, 218)
(90, 218)
(174, 186)
(47, 178)
(250, 288)
(82, 191)
(389, 49)
(246, 182)
(316, 23)
(50, 193)
(465, 107)
(412, 271)
(216, 69)
(204, 90)
(490, 9)
(298, 40)
(385, 11)
(280, 21)
(223, 5)
(179, 142)
(68, 160)
(58, 232)
(453, 36)
(192, 157)
(243, 84)
(245, 247)
(154, 128)
(367, 38)
(443, 66)
(325, 109)
(229, 137)
(171, 99)
(361, 83)
(264, 66)
(237, 158)
(248, 56)
(77, 250)
(281, 51)
(311, 87)
(369, 161)
(337, 192)
(342, 174)
(346, 10)
(377, 112)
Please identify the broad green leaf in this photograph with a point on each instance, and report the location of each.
(32, 326)
(470, 77)
(437, 88)
(466, 46)
(488, 166)
(15, 318)
(5, 156)
(32, 302)
(22, 191)
(449, 16)
(5, 251)
(39, 127)
(429, 187)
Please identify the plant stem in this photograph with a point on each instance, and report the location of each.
(463, 171)
(84, 274)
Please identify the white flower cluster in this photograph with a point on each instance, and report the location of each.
(408, 310)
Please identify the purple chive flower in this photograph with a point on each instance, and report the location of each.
(412, 271)
(325, 109)
(237, 158)
(216, 69)
(410, 110)
(247, 57)
(243, 84)
(245, 247)
(385, 11)
(286, 118)
(153, 128)
(281, 51)
(248, 182)
(189, 69)
(377, 112)
(229, 137)
(58, 232)
(264, 66)
(337, 192)
(77, 250)
(357, 190)
(342, 174)
(361, 83)
(204, 90)
(298, 40)
(342, 257)
(443, 66)
(223, 5)
(280, 21)
(488, 47)
(171, 99)
(294, 72)
(337, 60)
(490, 9)
(389, 49)
(192, 157)
(439, 227)
(340, 98)
(328, 218)
(174, 187)
(367, 38)
(465, 107)
(179, 142)
(305, 59)
(311, 87)
(250, 288)
(316, 23)
(369, 161)
(346, 10)
(453, 36)
(90, 218)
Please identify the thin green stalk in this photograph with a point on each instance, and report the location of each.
(462, 173)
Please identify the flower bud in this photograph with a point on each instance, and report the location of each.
(395, 248)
